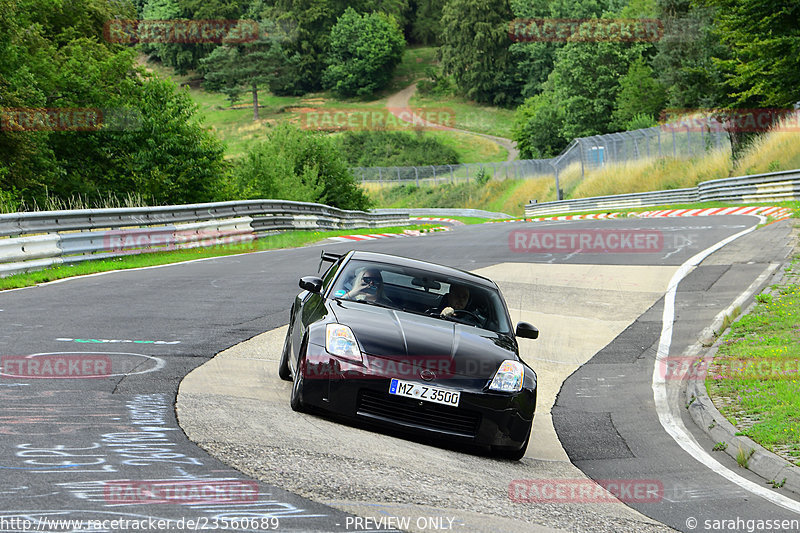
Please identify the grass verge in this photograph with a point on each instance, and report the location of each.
(470, 115)
(287, 239)
(754, 379)
(234, 124)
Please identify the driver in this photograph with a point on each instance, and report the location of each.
(367, 287)
(457, 299)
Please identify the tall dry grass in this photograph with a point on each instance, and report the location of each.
(654, 175)
(776, 150)
(76, 201)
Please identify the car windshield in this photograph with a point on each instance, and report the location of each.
(422, 292)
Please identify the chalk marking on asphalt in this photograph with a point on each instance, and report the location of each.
(159, 363)
(672, 424)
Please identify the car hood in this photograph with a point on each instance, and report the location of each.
(445, 346)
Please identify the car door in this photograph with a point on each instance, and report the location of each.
(308, 308)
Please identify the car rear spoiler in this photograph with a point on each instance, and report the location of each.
(328, 257)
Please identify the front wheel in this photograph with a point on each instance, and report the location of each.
(283, 367)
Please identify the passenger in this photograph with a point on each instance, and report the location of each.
(368, 287)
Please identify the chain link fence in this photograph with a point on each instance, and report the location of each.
(676, 141)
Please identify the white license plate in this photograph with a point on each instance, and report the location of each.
(418, 391)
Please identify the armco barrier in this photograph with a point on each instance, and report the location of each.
(446, 212)
(31, 241)
(773, 187)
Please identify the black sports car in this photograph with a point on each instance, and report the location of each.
(413, 345)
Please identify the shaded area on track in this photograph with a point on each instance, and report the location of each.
(615, 387)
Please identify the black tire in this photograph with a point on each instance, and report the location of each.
(283, 368)
(516, 455)
(296, 400)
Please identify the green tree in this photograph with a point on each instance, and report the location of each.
(184, 57)
(640, 94)
(161, 153)
(683, 60)
(311, 21)
(764, 42)
(475, 47)
(425, 28)
(537, 127)
(365, 49)
(292, 164)
(26, 73)
(251, 64)
(585, 83)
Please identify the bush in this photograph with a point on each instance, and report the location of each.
(364, 50)
(642, 120)
(292, 164)
(537, 127)
(481, 177)
(394, 148)
(437, 84)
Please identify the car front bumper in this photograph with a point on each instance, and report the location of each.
(484, 418)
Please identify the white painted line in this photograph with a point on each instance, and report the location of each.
(673, 424)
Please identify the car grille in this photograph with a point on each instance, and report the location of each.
(428, 415)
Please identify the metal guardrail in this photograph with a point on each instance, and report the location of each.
(35, 240)
(772, 187)
(445, 212)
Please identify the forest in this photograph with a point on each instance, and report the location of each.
(62, 61)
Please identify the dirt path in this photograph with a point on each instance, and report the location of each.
(398, 103)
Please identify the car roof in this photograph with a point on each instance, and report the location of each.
(424, 265)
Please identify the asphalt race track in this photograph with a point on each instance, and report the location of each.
(83, 446)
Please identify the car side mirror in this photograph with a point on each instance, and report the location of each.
(526, 331)
(311, 284)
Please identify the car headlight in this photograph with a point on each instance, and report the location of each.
(339, 340)
(508, 377)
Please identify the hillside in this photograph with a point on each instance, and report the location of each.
(234, 124)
